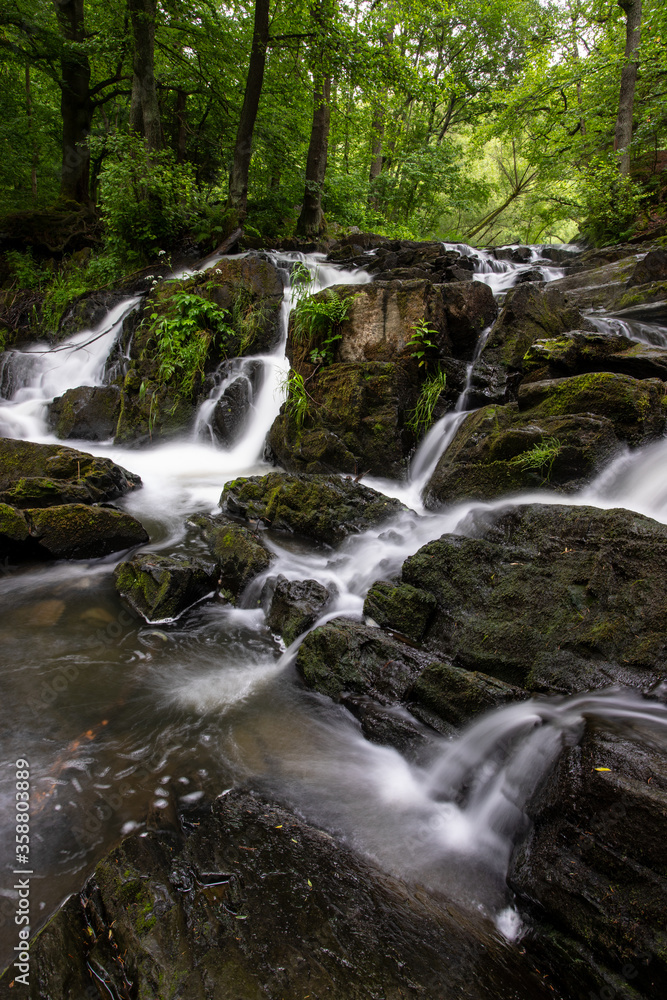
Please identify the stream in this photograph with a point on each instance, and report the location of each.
(118, 718)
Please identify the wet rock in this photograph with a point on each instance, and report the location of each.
(258, 904)
(231, 411)
(561, 432)
(518, 255)
(240, 556)
(43, 475)
(355, 422)
(80, 531)
(529, 313)
(529, 276)
(14, 533)
(456, 696)
(160, 588)
(324, 508)
(608, 287)
(548, 597)
(88, 413)
(295, 605)
(653, 267)
(403, 608)
(159, 403)
(590, 876)
(578, 352)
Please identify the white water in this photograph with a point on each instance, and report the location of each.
(212, 699)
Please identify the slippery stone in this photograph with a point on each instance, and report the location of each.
(324, 508)
(239, 554)
(88, 413)
(294, 605)
(80, 531)
(580, 352)
(160, 588)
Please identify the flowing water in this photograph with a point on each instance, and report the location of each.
(117, 717)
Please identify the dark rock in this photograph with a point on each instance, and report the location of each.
(239, 554)
(456, 696)
(547, 597)
(258, 905)
(324, 508)
(652, 268)
(578, 352)
(295, 605)
(518, 255)
(80, 531)
(231, 411)
(527, 276)
(43, 475)
(562, 432)
(400, 607)
(591, 875)
(88, 413)
(529, 313)
(160, 588)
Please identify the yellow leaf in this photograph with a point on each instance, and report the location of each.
(602, 769)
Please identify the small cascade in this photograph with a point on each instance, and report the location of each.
(634, 329)
(502, 274)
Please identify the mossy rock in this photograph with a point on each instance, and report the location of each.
(80, 531)
(401, 607)
(579, 352)
(239, 554)
(456, 696)
(529, 313)
(160, 588)
(550, 598)
(88, 413)
(324, 508)
(294, 605)
(36, 475)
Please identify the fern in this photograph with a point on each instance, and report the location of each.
(422, 415)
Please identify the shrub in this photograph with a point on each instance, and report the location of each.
(611, 204)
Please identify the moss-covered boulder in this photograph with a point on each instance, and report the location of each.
(294, 605)
(230, 310)
(355, 421)
(239, 554)
(561, 433)
(400, 607)
(258, 904)
(81, 531)
(44, 475)
(554, 599)
(160, 588)
(456, 696)
(590, 877)
(621, 285)
(324, 508)
(580, 352)
(88, 413)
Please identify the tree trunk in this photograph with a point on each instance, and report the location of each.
(144, 107)
(623, 133)
(75, 104)
(377, 132)
(311, 220)
(238, 178)
(31, 134)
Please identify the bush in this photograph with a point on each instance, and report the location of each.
(611, 204)
(147, 200)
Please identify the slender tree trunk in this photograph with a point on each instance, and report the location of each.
(311, 219)
(181, 126)
(31, 133)
(623, 133)
(76, 105)
(238, 178)
(144, 107)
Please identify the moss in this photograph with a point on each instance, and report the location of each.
(12, 523)
(401, 607)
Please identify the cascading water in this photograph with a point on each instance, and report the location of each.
(117, 716)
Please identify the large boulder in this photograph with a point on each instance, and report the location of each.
(554, 599)
(581, 352)
(88, 413)
(159, 401)
(43, 475)
(590, 877)
(561, 432)
(160, 588)
(81, 531)
(257, 904)
(324, 508)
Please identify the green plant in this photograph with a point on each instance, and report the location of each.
(540, 458)
(297, 398)
(318, 319)
(183, 339)
(419, 342)
(422, 415)
(611, 204)
(27, 273)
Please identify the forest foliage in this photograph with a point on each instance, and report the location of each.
(484, 121)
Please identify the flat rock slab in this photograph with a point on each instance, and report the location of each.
(258, 905)
(552, 598)
(46, 475)
(579, 352)
(324, 508)
(70, 531)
